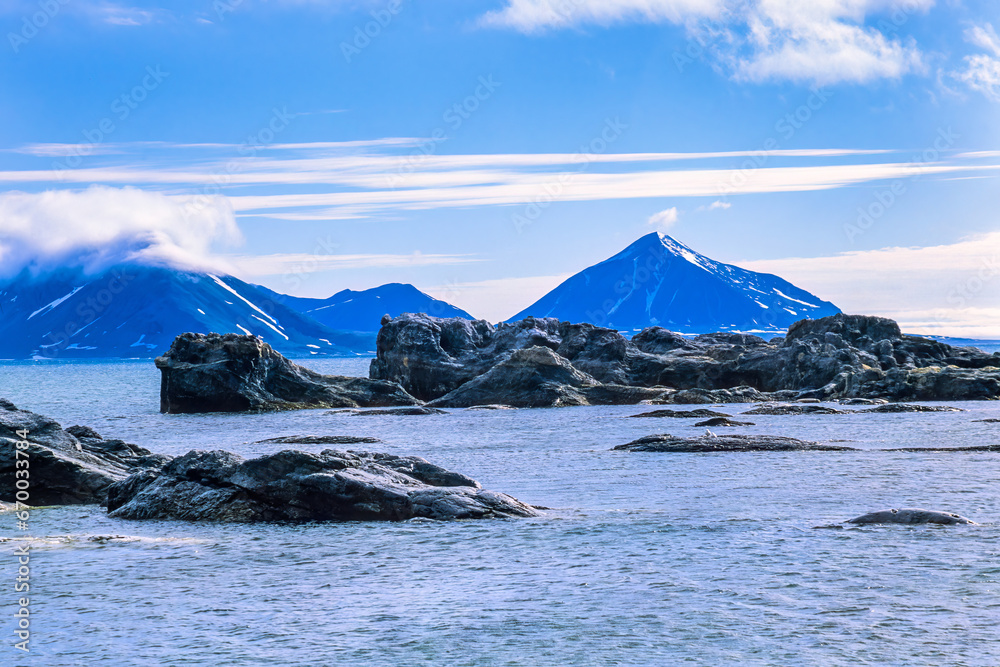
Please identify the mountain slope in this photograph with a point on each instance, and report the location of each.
(136, 311)
(349, 310)
(658, 281)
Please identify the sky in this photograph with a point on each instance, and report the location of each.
(485, 150)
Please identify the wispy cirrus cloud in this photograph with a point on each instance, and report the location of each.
(981, 71)
(378, 178)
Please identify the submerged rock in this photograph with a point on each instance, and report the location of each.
(796, 409)
(725, 443)
(400, 412)
(233, 373)
(74, 466)
(319, 440)
(911, 516)
(299, 486)
(700, 413)
(723, 421)
(903, 407)
(987, 421)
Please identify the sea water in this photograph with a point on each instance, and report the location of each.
(644, 559)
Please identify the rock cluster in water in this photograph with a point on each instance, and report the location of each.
(300, 486)
(234, 373)
(537, 362)
(725, 443)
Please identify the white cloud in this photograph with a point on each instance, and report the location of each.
(719, 204)
(819, 41)
(664, 219)
(949, 289)
(101, 226)
(981, 72)
(985, 37)
(824, 42)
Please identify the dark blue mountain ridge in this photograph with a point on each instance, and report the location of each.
(658, 281)
(132, 310)
(362, 311)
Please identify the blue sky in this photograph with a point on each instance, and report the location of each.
(484, 150)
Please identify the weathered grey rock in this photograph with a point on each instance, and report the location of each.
(862, 401)
(67, 467)
(299, 486)
(233, 373)
(723, 421)
(911, 516)
(893, 408)
(700, 413)
(725, 443)
(319, 440)
(742, 394)
(796, 409)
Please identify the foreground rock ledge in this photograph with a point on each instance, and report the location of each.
(298, 486)
(725, 443)
(234, 373)
(70, 466)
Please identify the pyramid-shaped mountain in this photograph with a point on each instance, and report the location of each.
(658, 281)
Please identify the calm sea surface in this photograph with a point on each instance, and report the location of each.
(647, 559)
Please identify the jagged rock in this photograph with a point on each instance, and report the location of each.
(700, 413)
(723, 421)
(836, 357)
(903, 407)
(911, 516)
(299, 486)
(319, 440)
(796, 409)
(725, 443)
(233, 373)
(67, 467)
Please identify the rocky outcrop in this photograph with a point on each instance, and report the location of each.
(299, 486)
(319, 440)
(725, 443)
(837, 357)
(233, 373)
(66, 467)
(911, 516)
